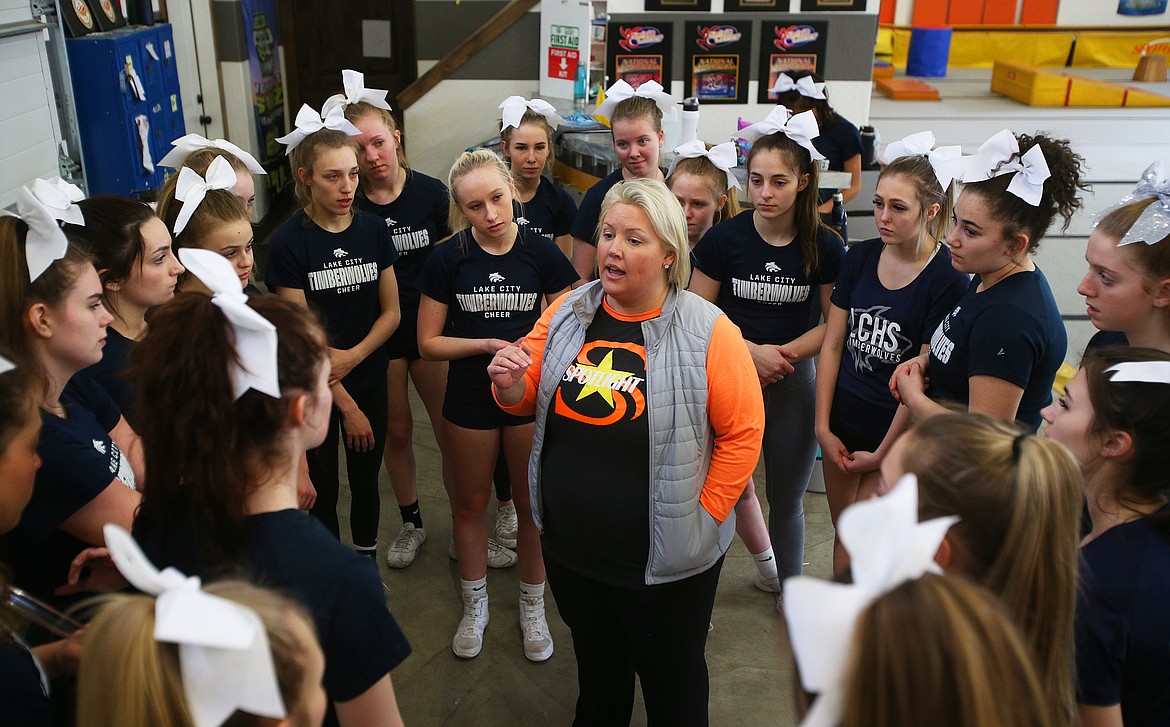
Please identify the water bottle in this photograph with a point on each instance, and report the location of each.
(581, 87)
(840, 220)
(690, 120)
(869, 143)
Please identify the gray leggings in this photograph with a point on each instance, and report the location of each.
(790, 451)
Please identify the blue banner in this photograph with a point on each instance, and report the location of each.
(267, 89)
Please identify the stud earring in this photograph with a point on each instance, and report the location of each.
(666, 266)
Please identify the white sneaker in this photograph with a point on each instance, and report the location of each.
(768, 585)
(538, 644)
(497, 556)
(403, 550)
(468, 639)
(506, 526)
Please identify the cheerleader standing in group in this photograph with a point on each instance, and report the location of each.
(892, 293)
(768, 269)
(481, 291)
(339, 260)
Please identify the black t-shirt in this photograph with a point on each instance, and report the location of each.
(1101, 339)
(596, 505)
(292, 552)
(340, 274)
(110, 372)
(550, 212)
(838, 142)
(1013, 331)
(1123, 623)
(589, 213)
(887, 327)
(79, 460)
(493, 296)
(24, 690)
(418, 221)
(763, 289)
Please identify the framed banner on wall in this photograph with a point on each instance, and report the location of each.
(637, 52)
(789, 47)
(815, 6)
(717, 58)
(760, 6)
(679, 5)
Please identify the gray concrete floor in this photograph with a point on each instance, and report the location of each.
(747, 652)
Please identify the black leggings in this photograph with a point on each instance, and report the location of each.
(657, 632)
(363, 469)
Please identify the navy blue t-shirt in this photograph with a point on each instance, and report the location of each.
(79, 460)
(493, 296)
(1012, 332)
(340, 273)
(839, 142)
(589, 213)
(110, 372)
(1123, 623)
(290, 551)
(24, 690)
(417, 220)
(887, 327)
(550, 212)
(763, 289)
(1101, 339)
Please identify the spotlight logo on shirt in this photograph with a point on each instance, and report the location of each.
(769, 287)
(873, 337)
(606, 384)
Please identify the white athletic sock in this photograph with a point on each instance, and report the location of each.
(474, 589)
(766, 564)
(528, 590)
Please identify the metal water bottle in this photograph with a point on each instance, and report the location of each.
(840, 220)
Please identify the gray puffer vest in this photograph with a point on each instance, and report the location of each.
(684, 538)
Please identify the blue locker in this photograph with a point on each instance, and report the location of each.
(107, 107)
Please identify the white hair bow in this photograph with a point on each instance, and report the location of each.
(1000, 155)
(187, 145)
(515, 106)
(45, 241)
(191, 188)
(801, 128)
(621, 90)
(946, 161)
(1140, 372)
(888, 547)
(354, 83)
(6, 365)
(255, 366)
(224, 656)
(723, 156)
(60, 198)
(805, 86)
(309, 122)
(1154, 223)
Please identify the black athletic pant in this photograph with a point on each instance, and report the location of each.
(363, 469)
(657, 632)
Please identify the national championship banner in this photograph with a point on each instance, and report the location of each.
(267, 90)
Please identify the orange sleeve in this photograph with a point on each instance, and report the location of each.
(735, 406)
(535, 341)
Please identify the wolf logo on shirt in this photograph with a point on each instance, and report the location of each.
(496, 278)
(872, 337)
(771, 267)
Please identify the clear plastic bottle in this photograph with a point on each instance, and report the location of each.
(581, 87)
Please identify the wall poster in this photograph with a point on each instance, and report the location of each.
(759, 6)
(789, 47)
(267, 89)
(637, 53)
(816, 6)
(679, 5)
(717, 58)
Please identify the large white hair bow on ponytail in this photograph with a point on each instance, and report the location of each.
(1000, 155)
(187, 145)
(622, 90)
(224, 657)
(255, 336)
(805, 86)
(40, 207)
(801, 128)
(723, 156)
(354, 83)
(513, 109)
(191, 189)
(309, 122)
(946, 161)
(887, 546)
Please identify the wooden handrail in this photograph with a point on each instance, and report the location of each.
(463, 52)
